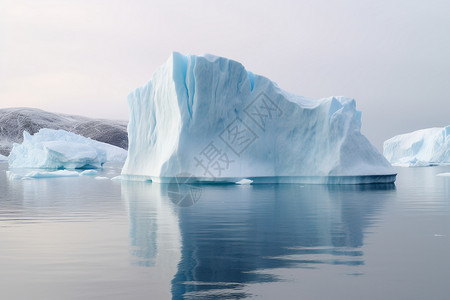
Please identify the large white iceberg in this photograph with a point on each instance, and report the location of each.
(419, 148)
(59, 149)
(210, 117)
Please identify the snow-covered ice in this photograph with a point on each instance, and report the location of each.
(210, 117)
(419, 148)
(59, 149)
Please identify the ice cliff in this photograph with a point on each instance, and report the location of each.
(419, 148)
(209, 117)
(59, 149)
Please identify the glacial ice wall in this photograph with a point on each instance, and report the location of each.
(59, 149)
(211, 118)
(419, 148)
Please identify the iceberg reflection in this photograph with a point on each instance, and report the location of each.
(154, 231)
(235, 235)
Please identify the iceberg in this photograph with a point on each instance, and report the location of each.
(14, 121)
(420, 148)
(3, 157)
(209, 117)
(59, 149)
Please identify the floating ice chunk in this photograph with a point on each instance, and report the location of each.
(57, 149)
(426, 147)
(411, 163)
(443, 174)
(59, 173)
(89, 173)
(244, 181)
(209, 117)
(42, 174)
(101, 178)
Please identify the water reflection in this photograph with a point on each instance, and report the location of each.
(66, 199)
(235, 235)
(60, 236)
(154, 229)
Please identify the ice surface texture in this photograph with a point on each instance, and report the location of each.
(59, 149)
(419, 148)
(210, 117)
(14, 121)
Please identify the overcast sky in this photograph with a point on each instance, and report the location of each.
(84, 57)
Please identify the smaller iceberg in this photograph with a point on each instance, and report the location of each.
(60, 149)
(426, 147)
(2, 157)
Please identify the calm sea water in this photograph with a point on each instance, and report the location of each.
(82, 238)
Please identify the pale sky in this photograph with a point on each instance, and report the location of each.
(84, 57)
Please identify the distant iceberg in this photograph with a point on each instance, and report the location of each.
(2, 157)
(59, 149)
(419, 148)
(14, 121)
(210, 117)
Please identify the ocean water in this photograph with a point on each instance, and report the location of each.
(83, 238)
